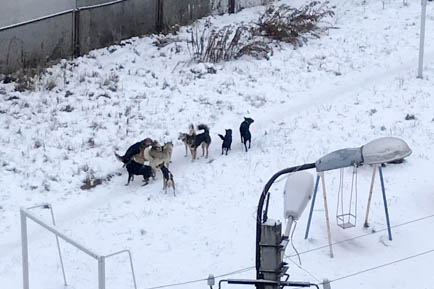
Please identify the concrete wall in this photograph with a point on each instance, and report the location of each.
(184, 12)
(241, 4)
(16, 11)
(31, 46)
(40, 42)
(103, 26)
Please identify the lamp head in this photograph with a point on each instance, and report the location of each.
(298, 191)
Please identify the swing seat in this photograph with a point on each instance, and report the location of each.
(346, 221)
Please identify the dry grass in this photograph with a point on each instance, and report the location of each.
(227, 43)
(294, 25)
(283, 24)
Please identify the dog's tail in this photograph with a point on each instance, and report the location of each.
(120, 158)
(204, 127)
(222, 137)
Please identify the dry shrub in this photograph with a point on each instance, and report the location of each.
(294, 25)
(284, 23)
(230, 42)
(24, 81)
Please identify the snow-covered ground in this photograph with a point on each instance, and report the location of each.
(353, 85)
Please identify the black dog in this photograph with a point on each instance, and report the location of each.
(245, 132)
(227, 140)
(133, 150)
(201, 139)
(135, 168)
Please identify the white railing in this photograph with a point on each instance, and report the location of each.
(26, 214)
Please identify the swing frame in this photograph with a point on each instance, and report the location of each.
(320, 175)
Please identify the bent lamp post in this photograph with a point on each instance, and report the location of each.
(375, 153)
(270, 244)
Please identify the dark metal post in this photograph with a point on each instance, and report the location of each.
(311, 207)
(160, 13)
(231, 6)
(76, 29)
(385, 203)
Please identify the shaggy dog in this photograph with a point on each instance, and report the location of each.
(157, 155)
(202, 139)
(245, 132)
(135, 168)
(134, 151)
(167, 179)
(227, 140)
(187, 138)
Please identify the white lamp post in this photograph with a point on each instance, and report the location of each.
(422, 38)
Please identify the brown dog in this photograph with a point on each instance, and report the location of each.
(187, 138)
(157, 155)
(135, 152)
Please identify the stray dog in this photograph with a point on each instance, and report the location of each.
(187, 138)
(227, 140)
(167, 179)
(134, 151)
(202, 139)
(135, 168)
(157, 155)
(245, 132)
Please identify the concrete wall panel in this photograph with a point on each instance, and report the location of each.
(184, 12)
(36, 44)
(103, 26)
(17, 11)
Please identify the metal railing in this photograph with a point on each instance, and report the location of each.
(25, 213)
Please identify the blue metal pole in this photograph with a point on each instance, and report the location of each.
(311, 207)
(385, 202)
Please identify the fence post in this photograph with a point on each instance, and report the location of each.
(231, 6)
(76, 29)
(160, 13)
(25, 252)
(101, 272)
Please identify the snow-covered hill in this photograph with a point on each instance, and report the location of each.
(355, 84)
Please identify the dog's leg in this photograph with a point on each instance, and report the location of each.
(173, 186)
(203, 149)
(146, 181)
(206, 147)
(245, 144)
(250, 142)
(129, 178)
(165, 186)
(186, 151)
(153, 169)
(223, 150)
(193, 154)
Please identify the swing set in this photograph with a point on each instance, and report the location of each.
(375, 153)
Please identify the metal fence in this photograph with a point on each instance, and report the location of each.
(39, 42)
(101, 259)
